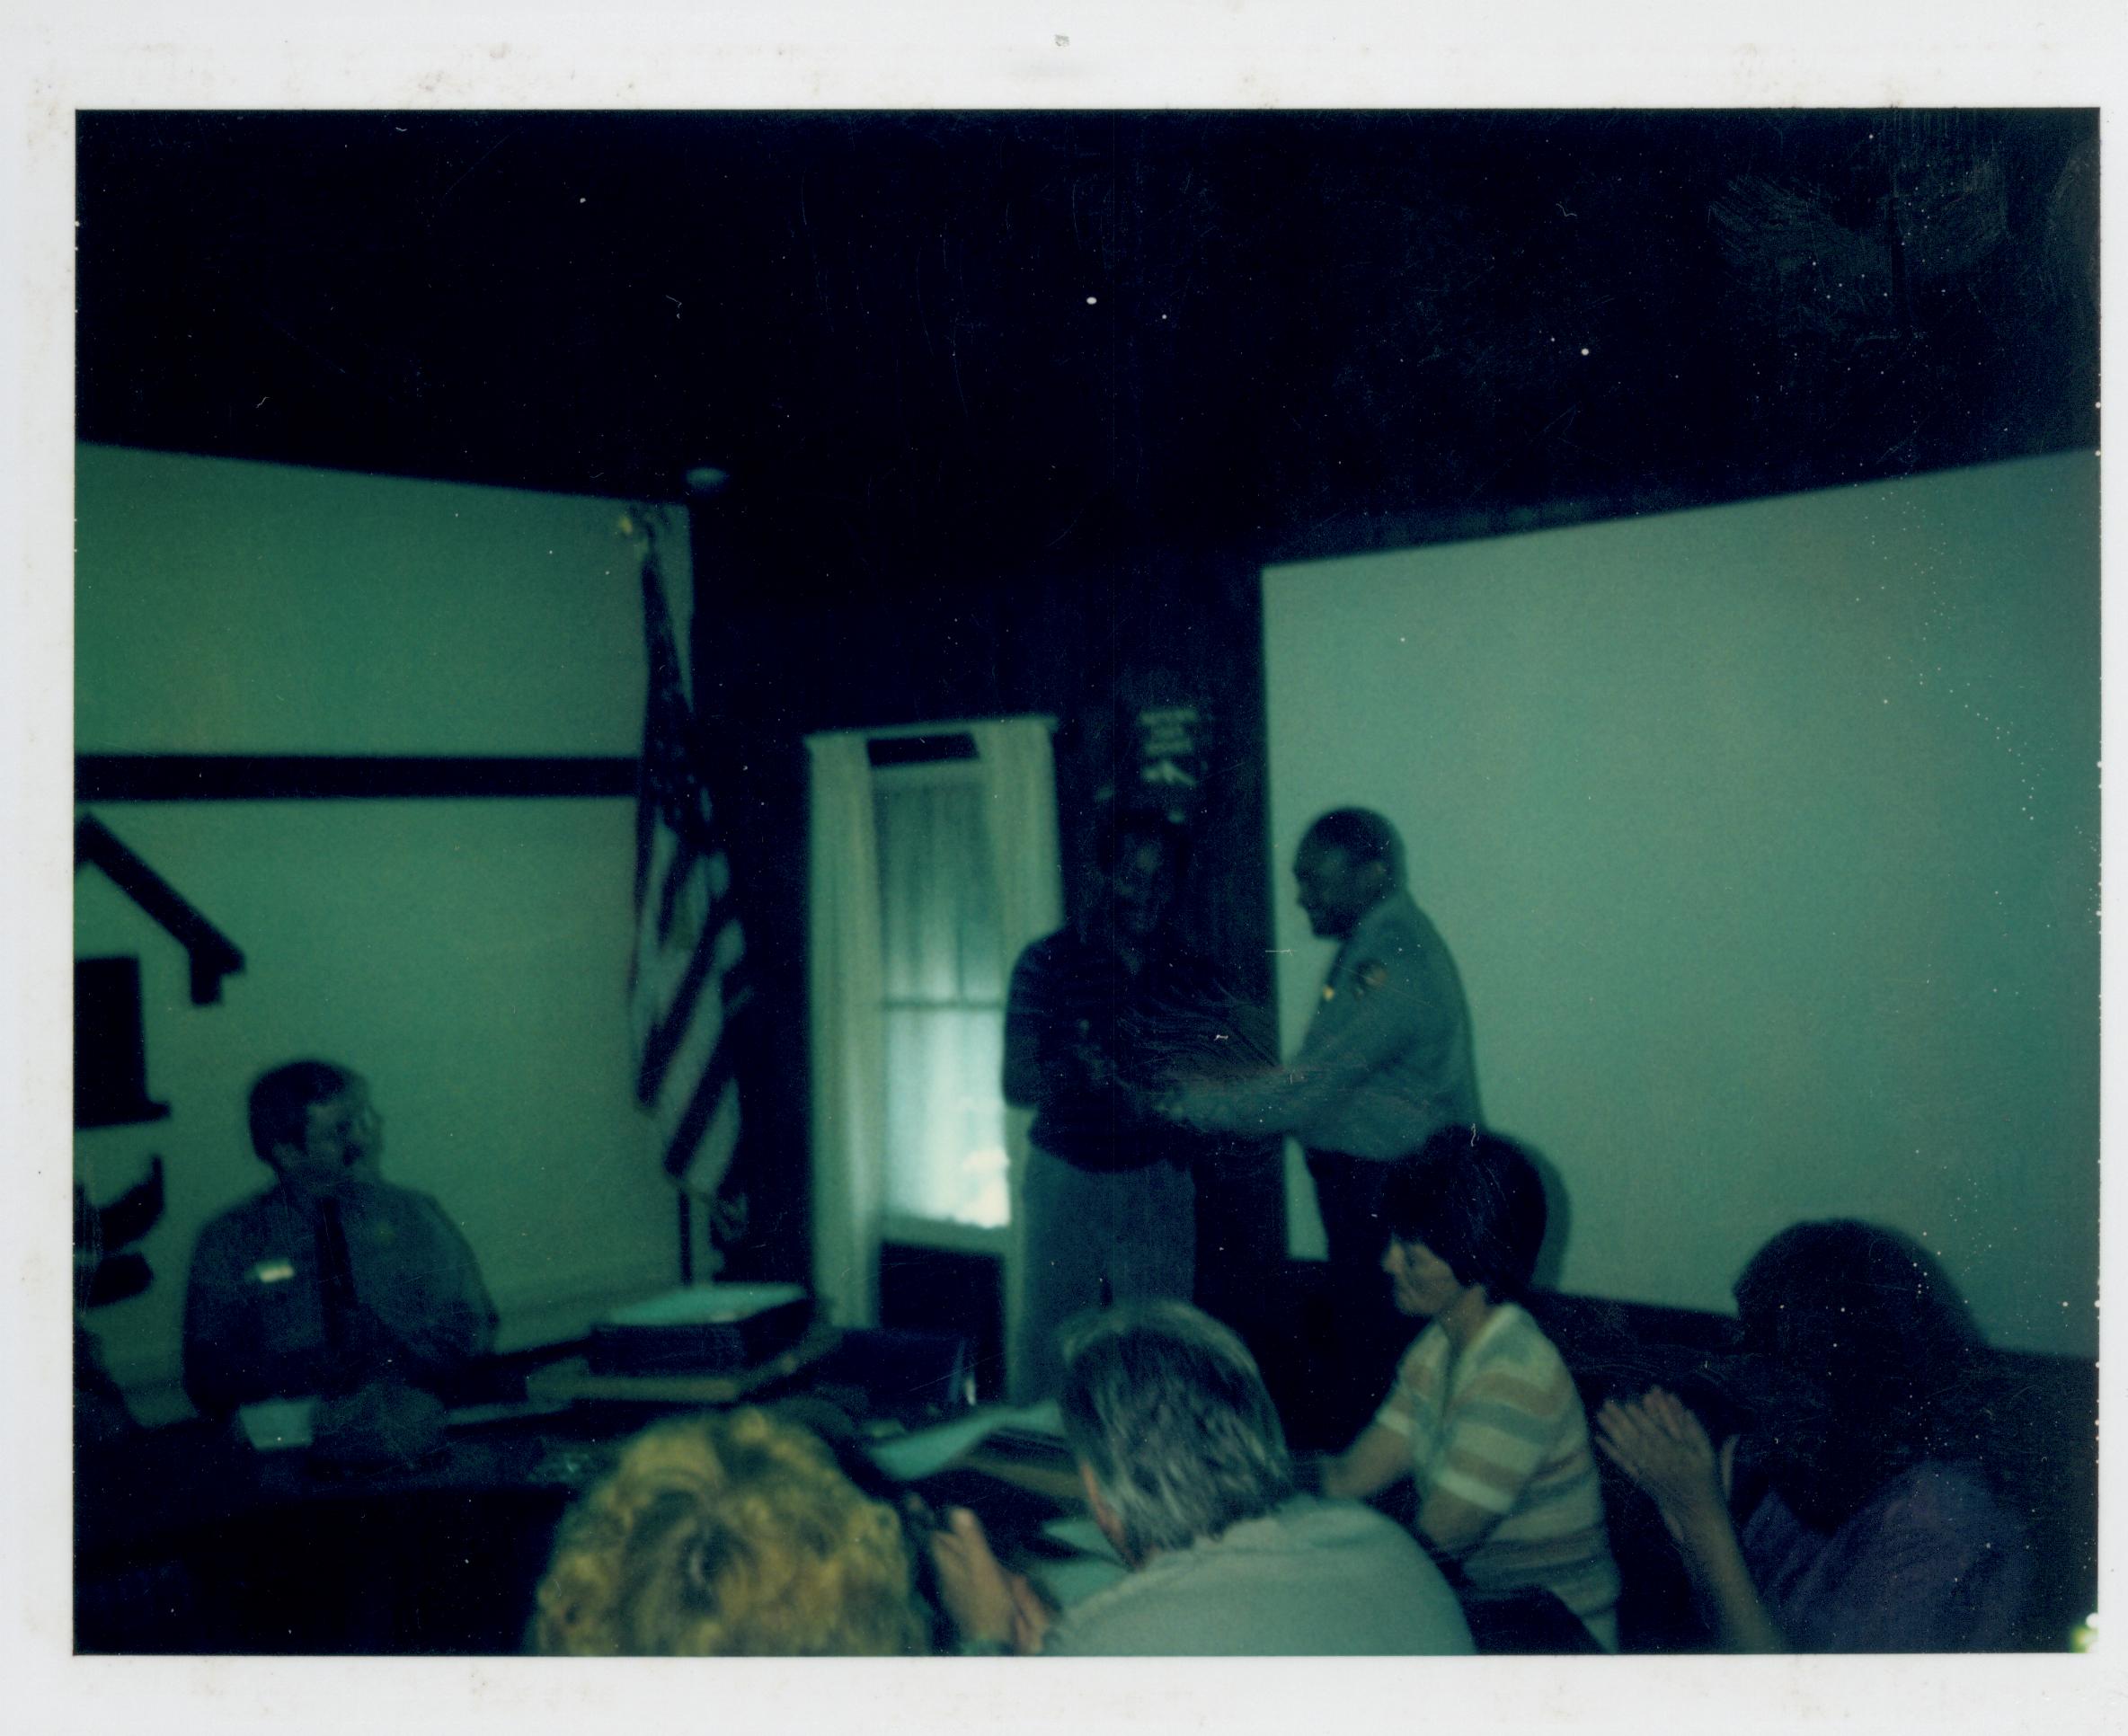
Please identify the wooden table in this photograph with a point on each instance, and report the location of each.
(573, 1381)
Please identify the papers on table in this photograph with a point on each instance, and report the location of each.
(275, 1424)
(927, 1451)
(694, 1304)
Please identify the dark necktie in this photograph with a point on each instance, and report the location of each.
(336, 1274)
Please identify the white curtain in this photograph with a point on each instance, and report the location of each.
(849, 1044)
(1013, 896)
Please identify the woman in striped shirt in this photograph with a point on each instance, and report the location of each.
(1484, 1417)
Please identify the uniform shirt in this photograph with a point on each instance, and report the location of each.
(277, 1306)
(1387, 1059)
(1312, 1578)
(1502, 1427)
(1071, 994)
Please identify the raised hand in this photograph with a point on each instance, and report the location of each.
(1661, 1445)
(1657, 1441)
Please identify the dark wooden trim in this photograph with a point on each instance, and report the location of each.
(313, 778)
(919, 750)
(212, 954)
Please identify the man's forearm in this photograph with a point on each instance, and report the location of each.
(1277, 1101)
(439, 1342)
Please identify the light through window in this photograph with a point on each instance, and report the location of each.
(943, 1000)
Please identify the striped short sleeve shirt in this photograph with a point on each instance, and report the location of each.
(1500, 1426)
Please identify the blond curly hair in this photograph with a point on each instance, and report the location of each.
(730, 1534)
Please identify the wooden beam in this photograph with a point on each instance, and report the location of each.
(317, 777)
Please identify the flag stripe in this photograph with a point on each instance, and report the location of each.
(685, 976)
(688, 1012)
(711, 1087)
(687, 855)
(704, 1174)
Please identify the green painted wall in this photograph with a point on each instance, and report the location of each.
(1766, 838)
(468, 956)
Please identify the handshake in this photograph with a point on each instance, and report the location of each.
(1162, 1097)
(1179, 1103)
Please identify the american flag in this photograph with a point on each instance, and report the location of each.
(687, 980)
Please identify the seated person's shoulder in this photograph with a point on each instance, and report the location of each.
(1948, 1504)
(373, 1192)
(247, 1219)
(1519, 1341)
(1368, 1548)
(1521, 1365)
(1350, 1525)
(1382, 1572)
(375, 1198)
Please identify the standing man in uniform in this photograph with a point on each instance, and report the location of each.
(1385, 1061)
(1098, 1016)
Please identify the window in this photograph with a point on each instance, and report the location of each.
(933, 862)
(942, 971)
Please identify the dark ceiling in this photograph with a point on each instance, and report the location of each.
(999, 339)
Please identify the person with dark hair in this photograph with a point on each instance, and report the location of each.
(729, 1535)
(1386, 1061)
(1186, 1473)
(332, 1280)
(1484, 1417)
(1097, 1016)
(1860, 1518)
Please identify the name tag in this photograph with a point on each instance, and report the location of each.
(273, 1271)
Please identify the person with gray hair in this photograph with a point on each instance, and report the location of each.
(1184, 1468)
